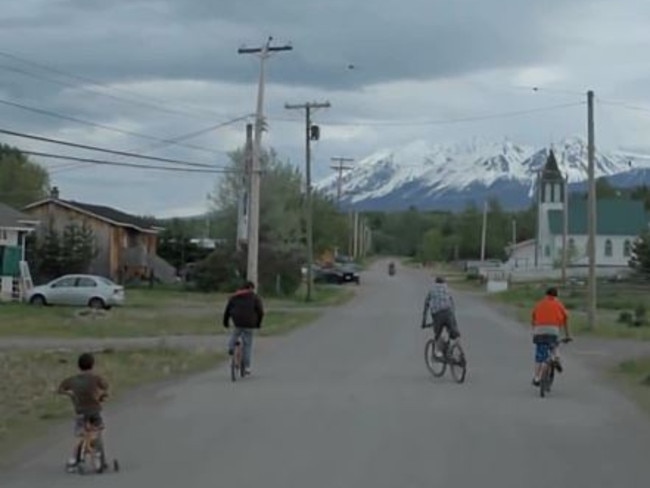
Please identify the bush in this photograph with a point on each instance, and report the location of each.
(640, 316)
(225, 269)
(625, 317)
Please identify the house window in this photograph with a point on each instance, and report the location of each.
(608, 248)
(548, 193)
(547, 251)
(627, 248)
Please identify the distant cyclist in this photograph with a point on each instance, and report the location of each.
(548, 317)
(246, 311)
(440, 305)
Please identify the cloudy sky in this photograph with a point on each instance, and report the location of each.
(145, 71)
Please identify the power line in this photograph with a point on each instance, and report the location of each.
(446, 121)
(189, 135)
(154, 104)
(70, 118)
(129, 165)
(101, 149)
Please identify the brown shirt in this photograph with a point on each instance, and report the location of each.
(87, 389)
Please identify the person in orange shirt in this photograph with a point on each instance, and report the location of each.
(549, 317)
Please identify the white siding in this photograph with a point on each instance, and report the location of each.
(617, 258)
(8, 237)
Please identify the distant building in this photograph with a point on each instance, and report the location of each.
(619, 222)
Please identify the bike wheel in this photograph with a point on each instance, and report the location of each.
(233, 369)
(457, 363)
(544, 382)
(436, 365)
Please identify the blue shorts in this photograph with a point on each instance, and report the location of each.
(544, 345)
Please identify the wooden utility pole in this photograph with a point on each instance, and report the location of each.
(591, 227)
(253, 240)
(311, 133)
(484, 231)
(340, 167)
(565, 230)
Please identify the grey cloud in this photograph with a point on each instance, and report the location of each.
(387, 40)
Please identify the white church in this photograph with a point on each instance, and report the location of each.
(619, 222)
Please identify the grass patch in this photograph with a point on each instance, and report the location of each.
(612, 300)
(28, 403)
(635, 375)
(64, 322)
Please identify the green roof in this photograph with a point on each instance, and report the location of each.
(615, 217)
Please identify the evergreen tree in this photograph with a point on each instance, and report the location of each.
(640, 260)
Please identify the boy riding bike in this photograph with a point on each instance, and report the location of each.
(87, 391)
(548, 317)
(439, 305)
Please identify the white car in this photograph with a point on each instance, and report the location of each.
(78, 290)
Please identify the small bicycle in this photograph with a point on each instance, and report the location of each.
(548, 371)
(449, 354)
(91, 456)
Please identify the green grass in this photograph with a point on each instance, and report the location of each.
(64, 322)
(635, 375)
(612, 300)
(28, 404)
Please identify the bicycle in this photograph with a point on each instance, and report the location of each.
(451, 354)
(548, 371)
(91, 453)
(237, 361)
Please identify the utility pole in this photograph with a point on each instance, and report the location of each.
(565, 230)
(484, 231)
(591, 243)
(514, 232)
(340, 168)
(264, 53)
(355, 235)
(312, 132)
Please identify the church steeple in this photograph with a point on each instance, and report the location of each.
(551, 184)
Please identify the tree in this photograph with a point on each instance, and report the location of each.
(640, 260)
(431, 249)
(56, 253)
(47, 258)
(78, 248)
(21, 180)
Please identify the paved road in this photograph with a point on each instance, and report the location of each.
(348, 403)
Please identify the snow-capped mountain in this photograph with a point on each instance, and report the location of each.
(448, 176)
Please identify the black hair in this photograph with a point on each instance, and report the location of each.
(551, 292)
(440, 279)
(86, 362)
(248, 285)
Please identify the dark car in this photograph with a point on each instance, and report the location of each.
(337, 275)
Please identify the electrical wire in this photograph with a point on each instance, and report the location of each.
(153, 103)
(458, 120)
(70, 118)
(101, 149)
(128, 165)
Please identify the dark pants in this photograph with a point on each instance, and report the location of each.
(445, 319)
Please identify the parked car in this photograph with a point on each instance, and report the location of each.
(78, 290)
(338, 275)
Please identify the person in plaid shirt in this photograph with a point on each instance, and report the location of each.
(440, 305)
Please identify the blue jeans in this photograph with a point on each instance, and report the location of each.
(246, 335)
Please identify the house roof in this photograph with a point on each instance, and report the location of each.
(10, 217)
(551, 170)
(614, 217)
(107, 214)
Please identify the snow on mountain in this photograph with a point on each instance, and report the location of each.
(448, 176)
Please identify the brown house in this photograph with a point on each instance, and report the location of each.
(126, 244)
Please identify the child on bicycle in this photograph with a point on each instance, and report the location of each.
(439, 305)
(548, 317)
(87, 391)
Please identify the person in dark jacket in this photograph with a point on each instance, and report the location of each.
(247, 312)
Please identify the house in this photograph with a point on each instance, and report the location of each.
(619, 222)
(126, 245)
(14, 228)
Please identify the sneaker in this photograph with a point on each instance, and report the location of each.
(536, 382)
(247, 372)
(230, 352)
